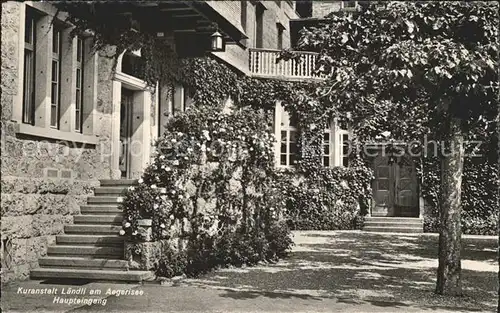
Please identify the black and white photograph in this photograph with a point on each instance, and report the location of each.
(250, 156)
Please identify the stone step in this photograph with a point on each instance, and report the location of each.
(77, 273)
(89, 239)
(393, 224)
(100, 209)
(92, 229)
(85, 262)
(111, 251)
(98, 219)
(395, 219)
(118, 182)
(110, 191)
(393, 229)
(104, 200)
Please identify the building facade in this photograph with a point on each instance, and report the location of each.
(70, 122)
(73, 126)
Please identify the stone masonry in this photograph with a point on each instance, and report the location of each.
(43, 181)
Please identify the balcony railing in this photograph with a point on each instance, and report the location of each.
(263, 63)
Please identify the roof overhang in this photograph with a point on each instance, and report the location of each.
(189, 17)
(197, 18)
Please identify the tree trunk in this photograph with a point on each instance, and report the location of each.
(450, 230)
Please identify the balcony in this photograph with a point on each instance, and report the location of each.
(264, 64)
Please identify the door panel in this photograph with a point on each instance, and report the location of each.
(125, 131)
(406, 197)
(382, 191)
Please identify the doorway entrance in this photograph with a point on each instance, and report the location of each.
(127, 100)
(395, 188)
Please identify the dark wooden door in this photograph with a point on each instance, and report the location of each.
(394, 188)
(405, 188)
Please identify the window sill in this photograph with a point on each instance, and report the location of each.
(55, 134)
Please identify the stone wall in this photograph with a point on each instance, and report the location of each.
(238, 56)
(144, 254)
(323, 8)
(43, 180)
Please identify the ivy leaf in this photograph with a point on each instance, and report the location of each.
(345, 38)
(410, 26)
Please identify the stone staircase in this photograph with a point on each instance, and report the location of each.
(92, 248)
(394, 224)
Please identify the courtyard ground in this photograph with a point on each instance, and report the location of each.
(345, 271)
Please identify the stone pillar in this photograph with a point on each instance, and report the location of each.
(165, 106)
(68, 82)
(12, 39)
(43, 71)
(140, 146)
(90, 66)
(115, 131)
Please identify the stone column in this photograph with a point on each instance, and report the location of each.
(68, 82)
(11, 39)
(115, 131)
(90, 66)
(43, 69)
(140, 145)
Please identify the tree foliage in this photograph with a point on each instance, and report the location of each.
(402, 67)
(411, 71)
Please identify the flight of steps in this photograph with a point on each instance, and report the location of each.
(92, 248)
(394, 224)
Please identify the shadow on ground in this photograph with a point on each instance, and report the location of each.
(394, 271)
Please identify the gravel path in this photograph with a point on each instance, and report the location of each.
(347, 271)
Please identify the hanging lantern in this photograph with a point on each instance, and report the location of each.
(217, 42)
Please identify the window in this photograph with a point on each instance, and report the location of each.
(344, 139)
(182, 99)
(280, 37)
(133, 65)
(56, 75)
(55, 78)
(336, 147)
(243, 15)
(259, 26)
(188, 97)
(327, 159)
(79, 83)
(288, 140)
(304, 8)
(349, 4)
(29, 69)
(343, 145)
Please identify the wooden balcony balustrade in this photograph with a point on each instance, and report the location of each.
(263, 63)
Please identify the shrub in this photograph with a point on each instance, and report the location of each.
(332, 201)
(479, 196)
(487, 225)
(212, 181)
(173, 263)
(226, 248)
(279, 241)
